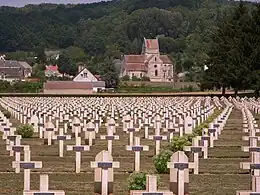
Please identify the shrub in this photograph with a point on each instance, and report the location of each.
(177, 143)
(104, 119)
(7, 114)
(144, 78)
(135, 78)
(26, 131)
(160, 161)
(125, 78)
(198, 130)
(137, 181)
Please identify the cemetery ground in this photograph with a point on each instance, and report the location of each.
(220, 174)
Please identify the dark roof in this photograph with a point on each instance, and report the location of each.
(14, 69)
(67, 85)
(166, 59)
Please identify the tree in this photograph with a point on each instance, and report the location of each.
(228, 64)
(255, 51)
(40, 55)
(66, 66)
(76, 54)
(108, 73)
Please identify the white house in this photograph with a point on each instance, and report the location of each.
(84, 75)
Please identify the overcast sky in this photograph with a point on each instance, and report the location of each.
(21, 3)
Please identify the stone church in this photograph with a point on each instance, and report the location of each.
(159, 68)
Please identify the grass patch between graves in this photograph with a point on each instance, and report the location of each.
(178, 143)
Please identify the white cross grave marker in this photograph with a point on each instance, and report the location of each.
(61, 138)
(27, 165)
(78, 148)
(44, 188)
(137, 148)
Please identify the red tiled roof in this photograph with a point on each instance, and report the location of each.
(152, 43)
(136, 67)
(166, 59)
(67, 85)
(134, 58)
(53, 68)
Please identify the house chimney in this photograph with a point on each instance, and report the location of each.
(80, 67)
(2, 57)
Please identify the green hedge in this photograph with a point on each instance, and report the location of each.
(151, 89)
(20, 87)
(178, 143)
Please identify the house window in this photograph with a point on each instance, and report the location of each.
(156, 73)
(141, 75)
(133, 74)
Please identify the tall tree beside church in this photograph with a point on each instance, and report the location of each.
(228, 63)
(108, 73)
(255, 54)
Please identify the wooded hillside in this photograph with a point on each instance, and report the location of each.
(113, 28)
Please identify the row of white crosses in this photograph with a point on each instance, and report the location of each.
(13, 144)
(111, 129)
(250, 126)
(157, 137)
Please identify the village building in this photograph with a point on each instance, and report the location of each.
(52, 55)
(83, 83)
(11, 70)
(52, 71)
(159, 68)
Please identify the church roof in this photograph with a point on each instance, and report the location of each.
(165, 59)
(152, 43)
(136, 67)
(134, 58)
(135, 63)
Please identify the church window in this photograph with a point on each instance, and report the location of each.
(85, 74)
(141, 75)
(155, 66)
(156, 73)
(155, 59)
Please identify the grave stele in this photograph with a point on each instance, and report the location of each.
(90, 132)
(179, 173)
(105, 164)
